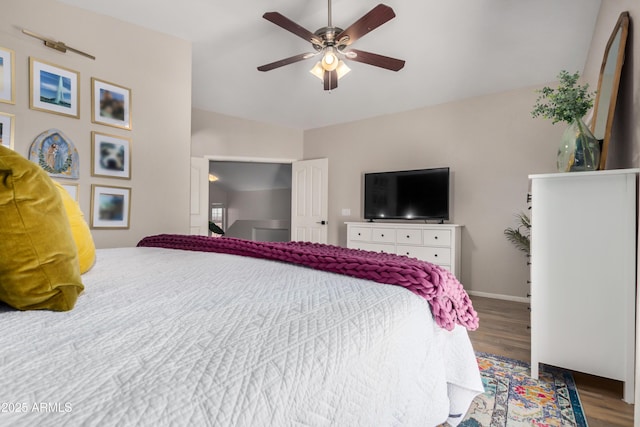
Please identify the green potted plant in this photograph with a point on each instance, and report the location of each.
(579, 150)
(520, 236)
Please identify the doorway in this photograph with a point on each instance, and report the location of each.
(250, 200)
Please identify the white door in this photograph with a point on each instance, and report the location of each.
(199, 196)
(309, 200)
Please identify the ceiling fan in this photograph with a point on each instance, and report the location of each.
(333, 44)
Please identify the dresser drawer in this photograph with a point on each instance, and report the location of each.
(360, 233)
(445, 266)
(435, 243)
(409, 237)
(440, 256)
(373, 247)
(436, 237)
(383, 235)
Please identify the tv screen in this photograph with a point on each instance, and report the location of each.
(415, 194)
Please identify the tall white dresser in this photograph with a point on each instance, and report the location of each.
(583, 273)
(436, 243)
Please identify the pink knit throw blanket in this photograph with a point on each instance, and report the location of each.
(450, 304)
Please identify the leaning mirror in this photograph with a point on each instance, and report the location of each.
(608, 85)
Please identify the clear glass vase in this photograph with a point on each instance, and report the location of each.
(579, 150)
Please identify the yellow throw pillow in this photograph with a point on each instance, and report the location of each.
(79, 229)
(38, 258)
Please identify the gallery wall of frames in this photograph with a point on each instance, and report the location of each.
(77, 118)
(54, 89)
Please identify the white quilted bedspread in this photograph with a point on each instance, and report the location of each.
(167, 337)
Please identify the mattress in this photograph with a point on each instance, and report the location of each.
(170, 337)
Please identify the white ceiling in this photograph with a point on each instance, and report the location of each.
(454, 49)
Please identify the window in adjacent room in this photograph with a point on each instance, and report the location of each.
(218, 216)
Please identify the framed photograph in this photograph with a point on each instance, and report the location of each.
(72, 189)
(7, 76)
(6, 129)
(110, 104)
(53, 89)
(110, 207)
(110, 156)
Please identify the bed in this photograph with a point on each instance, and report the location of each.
(192, 330)
(164, 336)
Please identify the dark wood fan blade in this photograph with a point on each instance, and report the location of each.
(369, 22)
(330, 80)
(374, 59)
(286, 61)
(286, 23)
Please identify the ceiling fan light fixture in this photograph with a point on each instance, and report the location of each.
(318, 71)
(330, 59)
(342, 69)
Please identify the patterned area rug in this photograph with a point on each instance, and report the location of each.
(513, 399)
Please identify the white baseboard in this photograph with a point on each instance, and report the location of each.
(498, 296)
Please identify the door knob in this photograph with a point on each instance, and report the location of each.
(323, 222)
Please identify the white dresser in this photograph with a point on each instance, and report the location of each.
(583, 273)
(436, 243)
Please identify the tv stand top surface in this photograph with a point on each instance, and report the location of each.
(417, 221)
(415, 224)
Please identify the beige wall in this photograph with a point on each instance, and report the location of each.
(257, 205)
(625, 139)
(491, 144)
(157, 69)
(214, 134)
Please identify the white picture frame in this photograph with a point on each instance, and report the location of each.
(110, 156)
(7, 76)
(53, 88)
(110, 207)
(72, 189)
(110, 104)
(7, 129)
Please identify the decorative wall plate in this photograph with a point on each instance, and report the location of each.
(56, 154)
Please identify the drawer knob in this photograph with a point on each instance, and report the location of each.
(407, 236)
(359, 234)
(408, 253)
(382, 235)
(436, 237)
(436, 255)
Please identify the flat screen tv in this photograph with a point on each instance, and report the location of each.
(415, 194)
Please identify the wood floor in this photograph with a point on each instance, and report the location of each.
(503, 331)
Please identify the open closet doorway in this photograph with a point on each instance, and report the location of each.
(250, 200)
